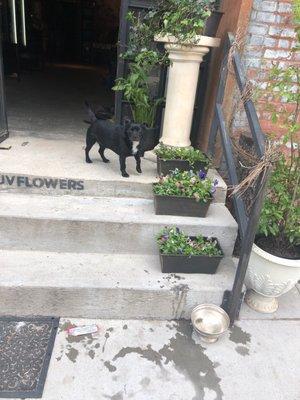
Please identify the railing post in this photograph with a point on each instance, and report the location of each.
(232, 300)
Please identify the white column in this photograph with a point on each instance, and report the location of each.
(181, 89)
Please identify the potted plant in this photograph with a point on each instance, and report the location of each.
(180, 253)
(181, 158)
(183, 193)
(181, 29)
(274, 266)
(137, 93)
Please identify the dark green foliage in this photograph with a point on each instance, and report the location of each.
(182, 153)
(280, 216)
(173, 241)
(186, 184)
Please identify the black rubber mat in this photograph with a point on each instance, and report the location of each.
(26, 346)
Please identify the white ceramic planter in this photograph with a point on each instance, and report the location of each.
(182, 86)
(267, 278)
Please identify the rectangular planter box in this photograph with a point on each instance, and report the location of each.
(189, 265)
(180, 206)
(164, 167)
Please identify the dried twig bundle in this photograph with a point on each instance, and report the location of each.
(258, 168)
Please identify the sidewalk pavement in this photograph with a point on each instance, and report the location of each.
(258, 359)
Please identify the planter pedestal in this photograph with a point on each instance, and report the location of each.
(182, 86)
(261, 303)
(267, 278)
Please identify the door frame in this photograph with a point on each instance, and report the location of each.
(4, 133)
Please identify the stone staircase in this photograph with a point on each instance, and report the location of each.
(93, 254)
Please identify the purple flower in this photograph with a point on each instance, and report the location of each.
(202, 174)
(216, 182)
(213, 190)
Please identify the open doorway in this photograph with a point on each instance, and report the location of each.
(56, 55)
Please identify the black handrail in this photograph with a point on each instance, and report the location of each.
(247, 225)
(219, 125)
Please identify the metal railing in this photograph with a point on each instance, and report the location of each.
(232, 300)
(219, 125)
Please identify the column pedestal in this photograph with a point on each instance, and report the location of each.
(182, 87)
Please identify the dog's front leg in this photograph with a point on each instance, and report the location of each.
(123, 167)
(138, 163)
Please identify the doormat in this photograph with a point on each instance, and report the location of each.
(26, 346)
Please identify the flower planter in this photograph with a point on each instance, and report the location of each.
(268, 277)
(164, 167)
(190, 265)
(181, 206)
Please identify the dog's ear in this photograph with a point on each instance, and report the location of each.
(127, 122)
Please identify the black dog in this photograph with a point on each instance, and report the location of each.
(124, 140)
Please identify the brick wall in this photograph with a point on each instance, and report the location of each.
(270, 39)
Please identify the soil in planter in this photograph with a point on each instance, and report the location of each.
(270, 245)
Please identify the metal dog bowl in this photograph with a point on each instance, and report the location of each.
(210, 322)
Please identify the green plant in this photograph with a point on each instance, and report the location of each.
(184, 19)
(136, 88)
(173, 241)
(280, 217)
(182, 153)
(186, 184)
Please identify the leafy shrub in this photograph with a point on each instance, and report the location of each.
(280, 216)
(186, 184)
(136, 88)
(184, 19)
(182, 153)
(173, 241)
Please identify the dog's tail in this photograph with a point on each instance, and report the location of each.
(91, 113)
(101, 113)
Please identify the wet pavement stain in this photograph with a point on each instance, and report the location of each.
(242, 350)
(107, 336)
(145, 382)
(188, 358)
(91, 354)
(117, 396)
(238, 336)
(148, 354)
(109, 366)
(72, 354)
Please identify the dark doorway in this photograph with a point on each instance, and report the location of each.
(56, 54)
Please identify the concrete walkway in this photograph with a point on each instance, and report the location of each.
(150, 360)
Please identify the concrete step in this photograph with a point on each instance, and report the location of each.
(57, 167)
(102, 225)
(103, 286)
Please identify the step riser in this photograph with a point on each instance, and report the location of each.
(96, 237)
(105, 303)
(29, 184)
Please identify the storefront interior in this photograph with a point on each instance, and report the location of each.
(56, 55)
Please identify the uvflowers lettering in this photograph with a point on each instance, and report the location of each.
(41, 182)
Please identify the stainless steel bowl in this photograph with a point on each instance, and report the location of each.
(210, 322)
